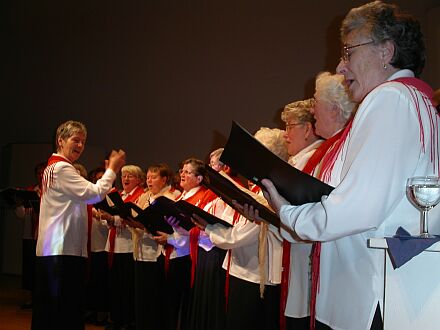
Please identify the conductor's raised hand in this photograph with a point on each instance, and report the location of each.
(116, 160)
(272, 196)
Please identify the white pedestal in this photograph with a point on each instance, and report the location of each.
(412, 292)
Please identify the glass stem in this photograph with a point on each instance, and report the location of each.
(424, 220)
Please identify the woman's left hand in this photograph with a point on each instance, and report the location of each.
(248, 211)
(175, 223)
(272, 196)
(161, 238)
(199, 221)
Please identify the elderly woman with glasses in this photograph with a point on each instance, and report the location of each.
(301, 138)
(393, 136)
(182, 247)
(332, 109)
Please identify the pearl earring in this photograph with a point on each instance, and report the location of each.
(384, 66)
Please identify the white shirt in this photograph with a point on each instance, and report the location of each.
(242, 240)
(300, 159)
(180, 241)
(215, 207)
(382, 150)
(123, 238)
(63, 210)
(98, 236)
(298, 296)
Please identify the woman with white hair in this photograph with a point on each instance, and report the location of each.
(332, 109)
(300, 135)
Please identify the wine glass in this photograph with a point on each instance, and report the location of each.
(424, 193)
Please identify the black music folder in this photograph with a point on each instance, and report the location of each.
(119, 207)
(15, 197)
(152, 218)
(254, 161)
(228, 192)
(181, 210)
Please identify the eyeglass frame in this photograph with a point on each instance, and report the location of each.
(289, 126)
(187, 172)
(345, 55)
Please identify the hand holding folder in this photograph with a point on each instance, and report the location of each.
(153, 217)
(117, 206)
(183, 211)
(230, 191)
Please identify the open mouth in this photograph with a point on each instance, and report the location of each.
(349, 82)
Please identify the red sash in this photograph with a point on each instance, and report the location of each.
(202, 197)
(112, 232)
(235, 218)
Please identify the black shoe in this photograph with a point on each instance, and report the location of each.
(127, 327)
(27, 305)
(101, 323)
(113, 326)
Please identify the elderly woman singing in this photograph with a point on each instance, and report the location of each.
(393, 136)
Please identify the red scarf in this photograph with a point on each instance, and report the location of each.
(202, 197)
(112, 233)
(235, 218)
(47, 180)
(330, 159)
(310, 166)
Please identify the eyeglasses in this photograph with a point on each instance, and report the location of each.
(345, 55)
(181, 172)
(289, 126)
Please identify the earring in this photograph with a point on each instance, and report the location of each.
(384, 66)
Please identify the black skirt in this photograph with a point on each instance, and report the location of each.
(177, 281)
(207, 298)
(246, 310)
(149, 295)
(121, 291)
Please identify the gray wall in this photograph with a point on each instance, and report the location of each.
(163, 79)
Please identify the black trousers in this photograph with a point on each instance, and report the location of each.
(59, 293)
(177, 288)
(246, 310)
(97, 286)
